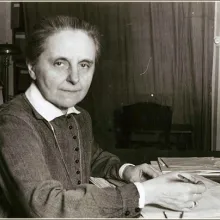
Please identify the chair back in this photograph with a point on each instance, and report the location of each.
(147, 116)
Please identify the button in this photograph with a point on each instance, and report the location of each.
(74, 137)
(79, 182)
(127, 213)
(70, 127)
(76, 149)
(68, 116)
(77, 161)
(77, 172)
(137, 209)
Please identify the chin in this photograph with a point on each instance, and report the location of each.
(69, 103)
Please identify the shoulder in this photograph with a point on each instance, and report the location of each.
(84, 113)
(83, 118)
(17, 120)
(14, 105)
(17, 108)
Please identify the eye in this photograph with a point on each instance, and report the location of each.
(84, 65)
(58, 63)
(61, 64)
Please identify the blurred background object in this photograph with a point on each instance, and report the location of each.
(6, 51)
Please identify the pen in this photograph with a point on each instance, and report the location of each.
(163, 163)
(186, 179)
(181, 215)
(164, 213)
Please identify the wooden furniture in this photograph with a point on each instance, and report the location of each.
(181, 136)
(21, 76)
(144, 124)
(6, 52)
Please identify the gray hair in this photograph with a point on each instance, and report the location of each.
(49, 26)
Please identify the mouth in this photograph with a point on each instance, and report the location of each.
(70, 91)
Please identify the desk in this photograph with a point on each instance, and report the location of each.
(208, 206)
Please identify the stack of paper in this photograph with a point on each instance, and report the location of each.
(205, 166)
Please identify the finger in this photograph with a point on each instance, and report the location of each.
(189, 197)
(176, 204)
(159, 173)
(197, 188)
(148, 169)
(186, 177)
(186, 206)
(172, 175)
(189, 206)
(196, 197)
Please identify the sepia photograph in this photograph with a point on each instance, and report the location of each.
(110, 109)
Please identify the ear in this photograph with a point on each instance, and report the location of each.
(31, 71)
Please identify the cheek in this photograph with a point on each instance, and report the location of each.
(86, 80)
(51, 79)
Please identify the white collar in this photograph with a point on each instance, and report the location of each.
(46, 109)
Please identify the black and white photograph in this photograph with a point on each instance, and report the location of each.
(110, 109)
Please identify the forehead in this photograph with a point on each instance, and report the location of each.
(70, 44)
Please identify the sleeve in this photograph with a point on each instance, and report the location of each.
(141, 191)
(122, 168)
(104, 164)
(28, 186)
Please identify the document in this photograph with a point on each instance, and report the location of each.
(205, 166)
(200, 162)
(207, 207)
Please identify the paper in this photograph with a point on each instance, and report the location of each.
(100, 182)
(205, 166)
(208, 206)
(204, 162)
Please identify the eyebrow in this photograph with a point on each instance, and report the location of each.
(87, 60)
(58, 58)
(66, 59)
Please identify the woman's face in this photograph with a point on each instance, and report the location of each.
(64, 71)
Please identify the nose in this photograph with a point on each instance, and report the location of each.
(73, 76)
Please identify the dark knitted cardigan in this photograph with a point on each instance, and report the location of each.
(45, 167)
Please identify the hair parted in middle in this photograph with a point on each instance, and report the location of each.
(47, 26)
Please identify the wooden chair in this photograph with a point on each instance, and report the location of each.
(145, 124)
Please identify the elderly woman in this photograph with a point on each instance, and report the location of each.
(48, 152)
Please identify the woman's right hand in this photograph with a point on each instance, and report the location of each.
(170, 191)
